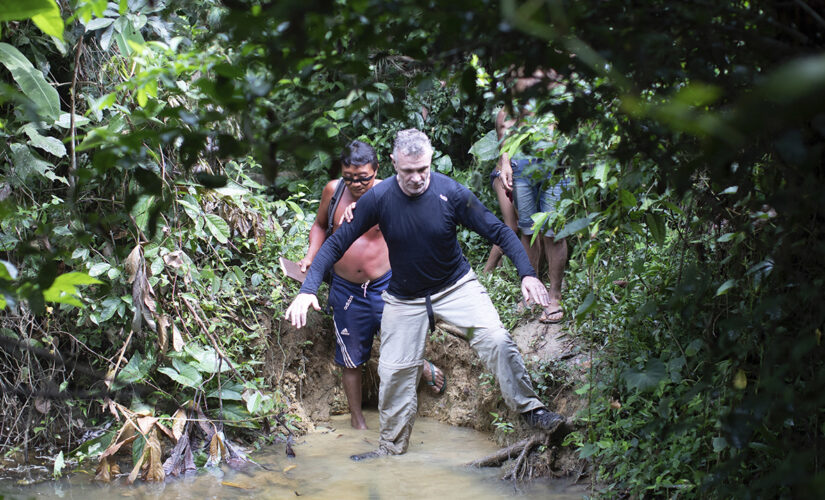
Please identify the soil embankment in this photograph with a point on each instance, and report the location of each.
(301, 362)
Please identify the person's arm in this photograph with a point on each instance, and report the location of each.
(318, 231)
(503, 125)
(333, 248)
(474, 215)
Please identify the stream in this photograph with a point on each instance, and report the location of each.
(432, 468)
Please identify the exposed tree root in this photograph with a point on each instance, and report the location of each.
(519, 449)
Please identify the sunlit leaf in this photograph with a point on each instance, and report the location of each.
(31, 81)
(50, 22)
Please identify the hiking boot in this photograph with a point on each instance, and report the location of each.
(380, 452)
(542, 418)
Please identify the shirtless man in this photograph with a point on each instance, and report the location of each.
(358, 278)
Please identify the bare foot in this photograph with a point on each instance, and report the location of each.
(436, 384)
(357, 421)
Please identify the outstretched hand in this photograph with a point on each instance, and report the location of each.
(534, 291)
(296, 313)
(348, 213)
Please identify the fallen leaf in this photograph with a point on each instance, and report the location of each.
(235, 485)
(146, 423)
(42, 405)
(174, 259)
(132, 263)
(178, 423)
(289, 467)
(106, 471)
(163, 335)
(177, 339)
(152, 451)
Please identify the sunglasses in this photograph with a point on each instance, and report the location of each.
(361, 180)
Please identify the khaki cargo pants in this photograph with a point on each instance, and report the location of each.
(404, 328)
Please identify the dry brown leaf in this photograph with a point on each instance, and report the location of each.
(217, 449)
(146, 423)
(154, 470)
(106, 470)
(125, 435)
(42, 405)
(163, 335)
(133, 262)
(166, 431)
(174, 259)
(178, 423)
(177, 339)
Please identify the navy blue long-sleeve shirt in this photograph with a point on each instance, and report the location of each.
(420, 233)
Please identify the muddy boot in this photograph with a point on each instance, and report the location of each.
(543, 419)
(380, 452)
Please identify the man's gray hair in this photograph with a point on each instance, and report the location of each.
(412, 143)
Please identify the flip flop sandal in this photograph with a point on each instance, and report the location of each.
(544, 318)
(431, 382)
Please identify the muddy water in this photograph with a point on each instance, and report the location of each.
(433, 468)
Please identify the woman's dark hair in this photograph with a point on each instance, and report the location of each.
(359, 153)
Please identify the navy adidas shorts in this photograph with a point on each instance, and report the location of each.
(356, 311)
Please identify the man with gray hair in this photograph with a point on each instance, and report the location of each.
(418, 212)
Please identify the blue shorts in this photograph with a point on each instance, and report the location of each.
(531, 196)
(356, 312)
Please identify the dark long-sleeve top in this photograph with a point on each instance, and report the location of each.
(420, 233)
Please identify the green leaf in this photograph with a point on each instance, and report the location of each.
(31, 81)
(182, 373)
(17, 10)
(99, 268)
(588, 305)
(7, 270)
(647, 378)
(486, 148)
(205, 359)
(230, 391)
(63, 288)
(51, 145)
(137, 448)
(218, 227)
(725, 287)
(50, 22)
(254, 402)
(656, 225)
(59, 463)
(572, 228)
(628, 200)
(134, 371)
(719, 444)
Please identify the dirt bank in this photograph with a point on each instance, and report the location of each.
(301, 361)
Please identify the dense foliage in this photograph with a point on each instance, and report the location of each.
(138, 147)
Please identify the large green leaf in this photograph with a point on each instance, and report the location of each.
(486, 148)
(49, 21)
(182, 373)
(218, 227)
(63, 289)
(31, 81)
(647, 378)
(26, 164)
(51, 145)
(17, 10)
